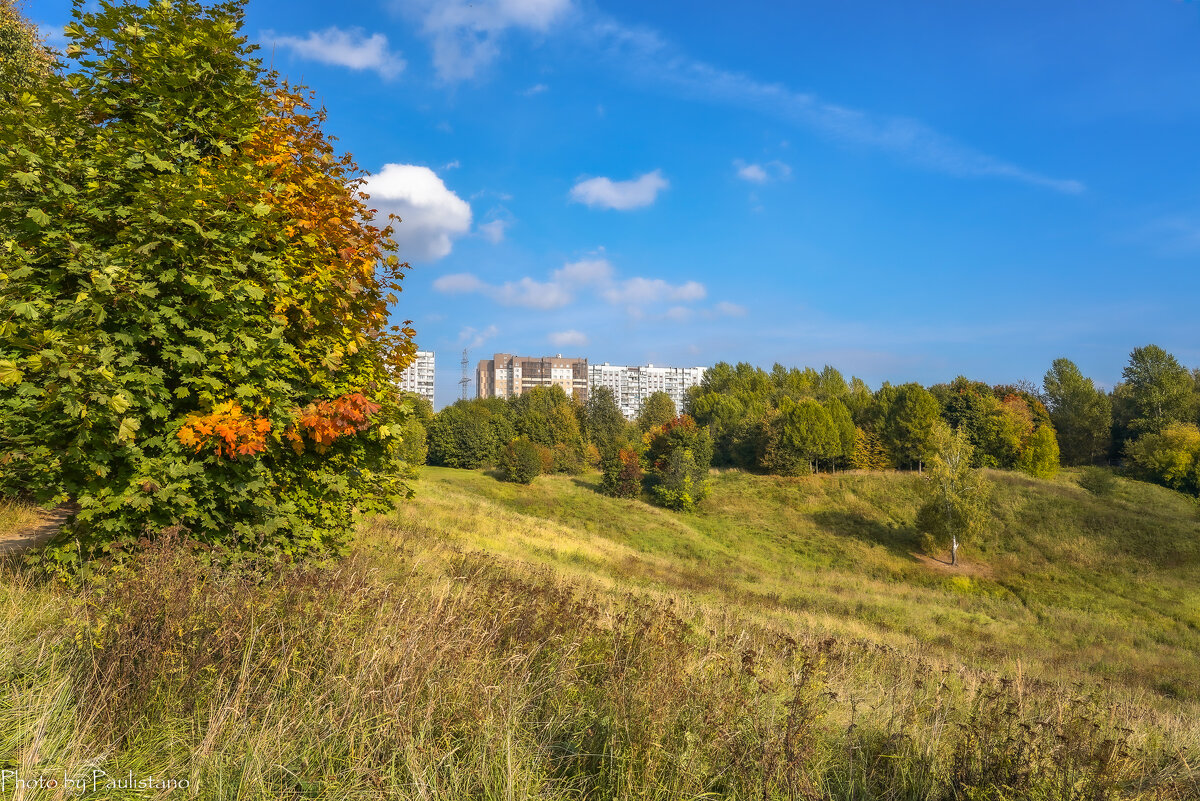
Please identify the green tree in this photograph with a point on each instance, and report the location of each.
(195, 305)
(1170, 457)
(603, 422)
(1040, 454)
(908, 428)
(679, 454)
(955, 494)
(657, 409)
(1082, 414)
(799, 436)
(463, 435)
(24, 60)
(623, 474)
(1160, 389)
(843, 427)
(520, 462)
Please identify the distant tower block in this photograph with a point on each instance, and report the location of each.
(418, 376)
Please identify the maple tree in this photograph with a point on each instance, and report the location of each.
(195, 301)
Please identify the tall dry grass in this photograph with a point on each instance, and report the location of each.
(415, 671)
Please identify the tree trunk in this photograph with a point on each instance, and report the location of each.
(953, 550)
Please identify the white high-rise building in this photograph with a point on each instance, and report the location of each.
(632, 385)
(418, 376)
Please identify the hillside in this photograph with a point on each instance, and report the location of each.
(1068, 584)
(489, 640)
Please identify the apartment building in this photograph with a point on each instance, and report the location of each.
(506, 375)
(418, 376)
(632, 385)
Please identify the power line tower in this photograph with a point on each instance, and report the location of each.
(465, 382)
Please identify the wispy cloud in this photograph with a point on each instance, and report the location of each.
(474, 338)
(344, 48)
(536, 89)
(594, 277)
(606, 193)
(564, 338)
(652, 60)
(466, 35)
(762, 173)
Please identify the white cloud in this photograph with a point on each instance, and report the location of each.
(594, 276)
(679, 314)
(526, 292)
(727, 309)
(565, 338)
(585, 272)
(431, 215)
(762, 173)
(456, 283)
(494, 231)
(536, 89)
(465, 35)
(606, 193)
(453, 165)
(641, 291)
(652, 60)
(350, 48)
(474, 338)
(532, 294)
(751, 172)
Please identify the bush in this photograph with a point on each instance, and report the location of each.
(1097, 480)
(622, 473)
(520, 461)
(462, 435)
(568, 459)
(1171, 458)
(681, 483)
(1040, 455)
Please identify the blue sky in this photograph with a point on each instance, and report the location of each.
(907, 191)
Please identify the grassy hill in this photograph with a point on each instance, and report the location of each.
(486, 640)
(1069, 584)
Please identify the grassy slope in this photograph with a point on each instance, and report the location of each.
(1067, 584)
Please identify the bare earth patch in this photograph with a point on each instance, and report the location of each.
(31, 527)
(963, 568)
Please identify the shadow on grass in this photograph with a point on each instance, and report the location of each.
(899, 540)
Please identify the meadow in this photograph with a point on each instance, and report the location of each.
(791, 639)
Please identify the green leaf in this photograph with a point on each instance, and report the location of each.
(260, 209)
(38, 216)
(128, 429)
(9, 374)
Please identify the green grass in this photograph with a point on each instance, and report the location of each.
(488, 640)
(1070, 585)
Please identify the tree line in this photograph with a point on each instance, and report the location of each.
(792, 421)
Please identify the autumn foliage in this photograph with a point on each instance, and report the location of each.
(195, 295)
(228, 430)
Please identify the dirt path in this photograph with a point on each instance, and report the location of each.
(39, 533)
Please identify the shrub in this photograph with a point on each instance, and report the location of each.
(462, 435)
(1097, 480)
(679, 453)
(622, 473)
(680, 482)
(1040, 455)
(1171, 458)
(196, 307)
(520, 461)
(568, 459)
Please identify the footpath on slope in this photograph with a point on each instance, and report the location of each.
(23, 538)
